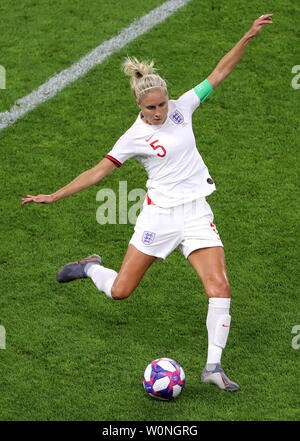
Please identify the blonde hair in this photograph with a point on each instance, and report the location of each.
(142, 77)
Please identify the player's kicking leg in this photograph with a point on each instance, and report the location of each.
(209, 263)
(77, 270)
(115, 285)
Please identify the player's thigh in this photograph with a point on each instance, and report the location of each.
(210, 266)
(133, 268)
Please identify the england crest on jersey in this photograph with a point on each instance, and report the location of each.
(148, 237)
(177, 117)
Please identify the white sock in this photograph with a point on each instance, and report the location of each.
(102, 277)
(218, 325)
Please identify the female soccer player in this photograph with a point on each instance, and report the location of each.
(175, 212)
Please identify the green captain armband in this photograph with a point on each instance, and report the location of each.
(203, 90)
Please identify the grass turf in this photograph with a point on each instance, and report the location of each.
(71, 353)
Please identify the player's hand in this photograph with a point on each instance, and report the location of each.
(259, 23)
(40, 199)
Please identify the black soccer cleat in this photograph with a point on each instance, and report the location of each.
(76, 270)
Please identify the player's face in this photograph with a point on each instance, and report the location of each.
(154, 106)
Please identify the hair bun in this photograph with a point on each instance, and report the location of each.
(142, 76)
(138, 69)
(138, 74)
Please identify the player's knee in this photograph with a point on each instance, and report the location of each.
(120, 292)
(218, 288)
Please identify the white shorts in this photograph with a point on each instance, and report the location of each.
(158, 231)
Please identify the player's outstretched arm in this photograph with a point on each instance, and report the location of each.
(230, 60)
(85, 180)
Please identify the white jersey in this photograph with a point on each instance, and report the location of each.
(176, 171)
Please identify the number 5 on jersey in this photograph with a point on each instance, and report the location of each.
(155, 147)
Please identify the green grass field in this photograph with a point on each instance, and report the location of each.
(72, 353)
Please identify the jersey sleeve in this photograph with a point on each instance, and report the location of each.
(121, 151)
(194, 97)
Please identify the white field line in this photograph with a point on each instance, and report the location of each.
(59, 81)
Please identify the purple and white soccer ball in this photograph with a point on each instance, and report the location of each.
(164, 379)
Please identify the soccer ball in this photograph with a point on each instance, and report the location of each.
(164, 379)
